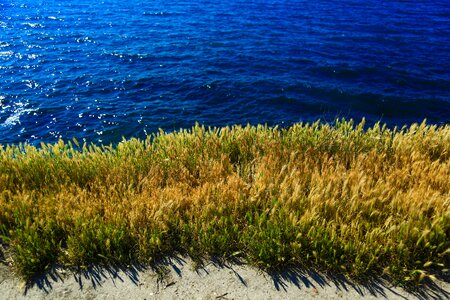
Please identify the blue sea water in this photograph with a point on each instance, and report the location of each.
(100, 71)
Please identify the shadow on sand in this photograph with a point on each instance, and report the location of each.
(299, 277)
(376, 286)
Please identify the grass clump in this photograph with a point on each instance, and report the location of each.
(363, 202)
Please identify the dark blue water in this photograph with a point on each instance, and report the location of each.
(102, 70)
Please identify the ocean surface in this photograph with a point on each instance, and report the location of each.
(100, 71)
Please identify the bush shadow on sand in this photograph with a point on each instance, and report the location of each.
(282, 279)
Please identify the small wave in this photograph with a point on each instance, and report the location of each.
(147, 13)
(34, 25)
(14, 118)
(15, 111)
(34, 46)
(55, 18)
(31, 84)
(159, 13)
(132, 56)
(85, 39)
(6, 53)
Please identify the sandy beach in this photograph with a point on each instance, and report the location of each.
(178, 279)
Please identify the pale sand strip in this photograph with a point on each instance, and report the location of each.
(181, 281)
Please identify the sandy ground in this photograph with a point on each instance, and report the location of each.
(178, 279)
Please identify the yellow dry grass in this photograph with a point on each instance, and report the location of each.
(339, 198)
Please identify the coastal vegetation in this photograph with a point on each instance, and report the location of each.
(342, 198)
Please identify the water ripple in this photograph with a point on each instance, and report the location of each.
(125, 68)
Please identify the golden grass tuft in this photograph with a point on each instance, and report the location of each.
(341, 198)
